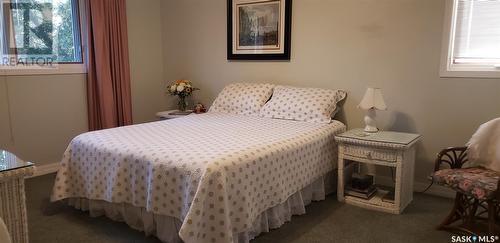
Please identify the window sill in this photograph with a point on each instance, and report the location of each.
(470, 71)
(61, 69)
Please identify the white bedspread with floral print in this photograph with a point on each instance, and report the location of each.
(215, 172)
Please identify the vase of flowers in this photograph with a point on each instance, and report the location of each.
(181, 89)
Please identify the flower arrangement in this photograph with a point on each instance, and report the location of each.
(182, 89)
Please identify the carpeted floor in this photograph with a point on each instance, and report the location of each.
(326, 221)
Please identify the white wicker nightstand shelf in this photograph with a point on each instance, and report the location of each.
(391, 149)
(12, 195)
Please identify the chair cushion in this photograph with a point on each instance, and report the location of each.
(477, 182)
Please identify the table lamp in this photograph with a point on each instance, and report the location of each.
(373, 100)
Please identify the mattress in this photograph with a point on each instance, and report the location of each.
(215, 172)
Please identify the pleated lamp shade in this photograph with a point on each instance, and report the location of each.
(373, 99)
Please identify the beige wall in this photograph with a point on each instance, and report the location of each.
(47, 111)
(346, 44)
(146, 59)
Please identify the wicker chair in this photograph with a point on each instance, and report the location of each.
(476, 198)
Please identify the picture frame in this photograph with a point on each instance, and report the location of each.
(259, 29)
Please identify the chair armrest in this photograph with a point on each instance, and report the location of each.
(455, 157)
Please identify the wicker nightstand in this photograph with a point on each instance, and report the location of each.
(391, 149)
(12, 195)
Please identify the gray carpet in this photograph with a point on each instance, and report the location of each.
(326, 221)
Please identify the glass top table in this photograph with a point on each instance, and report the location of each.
(381, 136)
(9, 161)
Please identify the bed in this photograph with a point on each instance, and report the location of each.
(213, 177)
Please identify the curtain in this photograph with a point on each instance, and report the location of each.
(108, 75)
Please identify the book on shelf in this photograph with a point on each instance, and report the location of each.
(365, 193)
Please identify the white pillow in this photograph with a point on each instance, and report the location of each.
(482, 148)
(242, 98)
(302, 104)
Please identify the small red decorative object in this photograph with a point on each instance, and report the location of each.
(199, 108)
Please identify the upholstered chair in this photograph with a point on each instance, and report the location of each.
(477, 196)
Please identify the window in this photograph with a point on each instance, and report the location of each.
(41, 35)
(471, 46)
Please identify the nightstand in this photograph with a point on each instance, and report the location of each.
(166, 115)
(391, 149)
(12, 196)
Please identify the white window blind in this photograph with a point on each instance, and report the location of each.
(477, 32)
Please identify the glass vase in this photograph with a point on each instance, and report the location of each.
(182, 104)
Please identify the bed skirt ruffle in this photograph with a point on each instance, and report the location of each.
(166, 228)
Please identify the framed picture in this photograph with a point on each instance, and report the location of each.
(259, 29)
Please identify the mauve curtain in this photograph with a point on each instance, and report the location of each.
(108, 75)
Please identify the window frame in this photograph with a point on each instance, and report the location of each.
(461, 70)
(62, 67)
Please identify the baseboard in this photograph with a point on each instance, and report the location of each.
(435, 190)
(41, 170)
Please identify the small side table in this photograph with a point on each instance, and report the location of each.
(12, 195)
(166, 115)
(392, 149)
